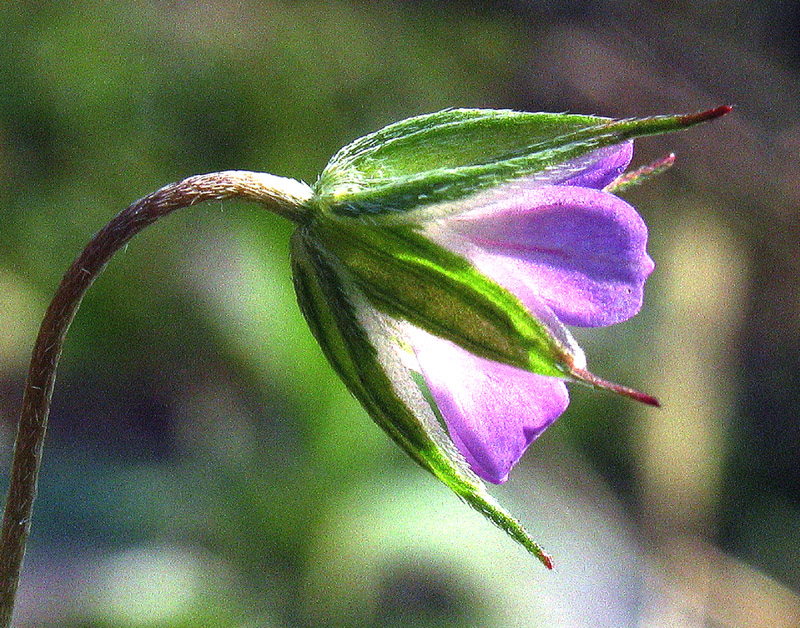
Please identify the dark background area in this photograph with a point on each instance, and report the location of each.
(205, 467)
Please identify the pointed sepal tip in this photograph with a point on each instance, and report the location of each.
(593, 380)
(705, 116)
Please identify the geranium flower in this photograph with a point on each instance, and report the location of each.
(443, 257)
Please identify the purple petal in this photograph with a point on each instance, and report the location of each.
(602, 166)
(492, 411)
(594, 170)
(581, 251)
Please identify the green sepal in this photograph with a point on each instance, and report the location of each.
(408, 276)
(341, 323)
(452, 154)
(640, 175)
(362, 346)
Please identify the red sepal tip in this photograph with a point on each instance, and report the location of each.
(593, 380)
(705, 116)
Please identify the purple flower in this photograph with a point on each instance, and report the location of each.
(441, 258)
(572, 253)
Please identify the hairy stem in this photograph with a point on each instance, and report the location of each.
(286, 197)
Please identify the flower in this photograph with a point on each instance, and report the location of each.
(441, 258)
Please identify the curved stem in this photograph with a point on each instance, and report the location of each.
(286, 197)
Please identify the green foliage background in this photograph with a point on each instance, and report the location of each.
(204, 465)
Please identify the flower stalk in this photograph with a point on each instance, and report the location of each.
(285, 197)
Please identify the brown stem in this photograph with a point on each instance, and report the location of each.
(286, 197)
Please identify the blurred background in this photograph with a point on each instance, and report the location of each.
(204, 466)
